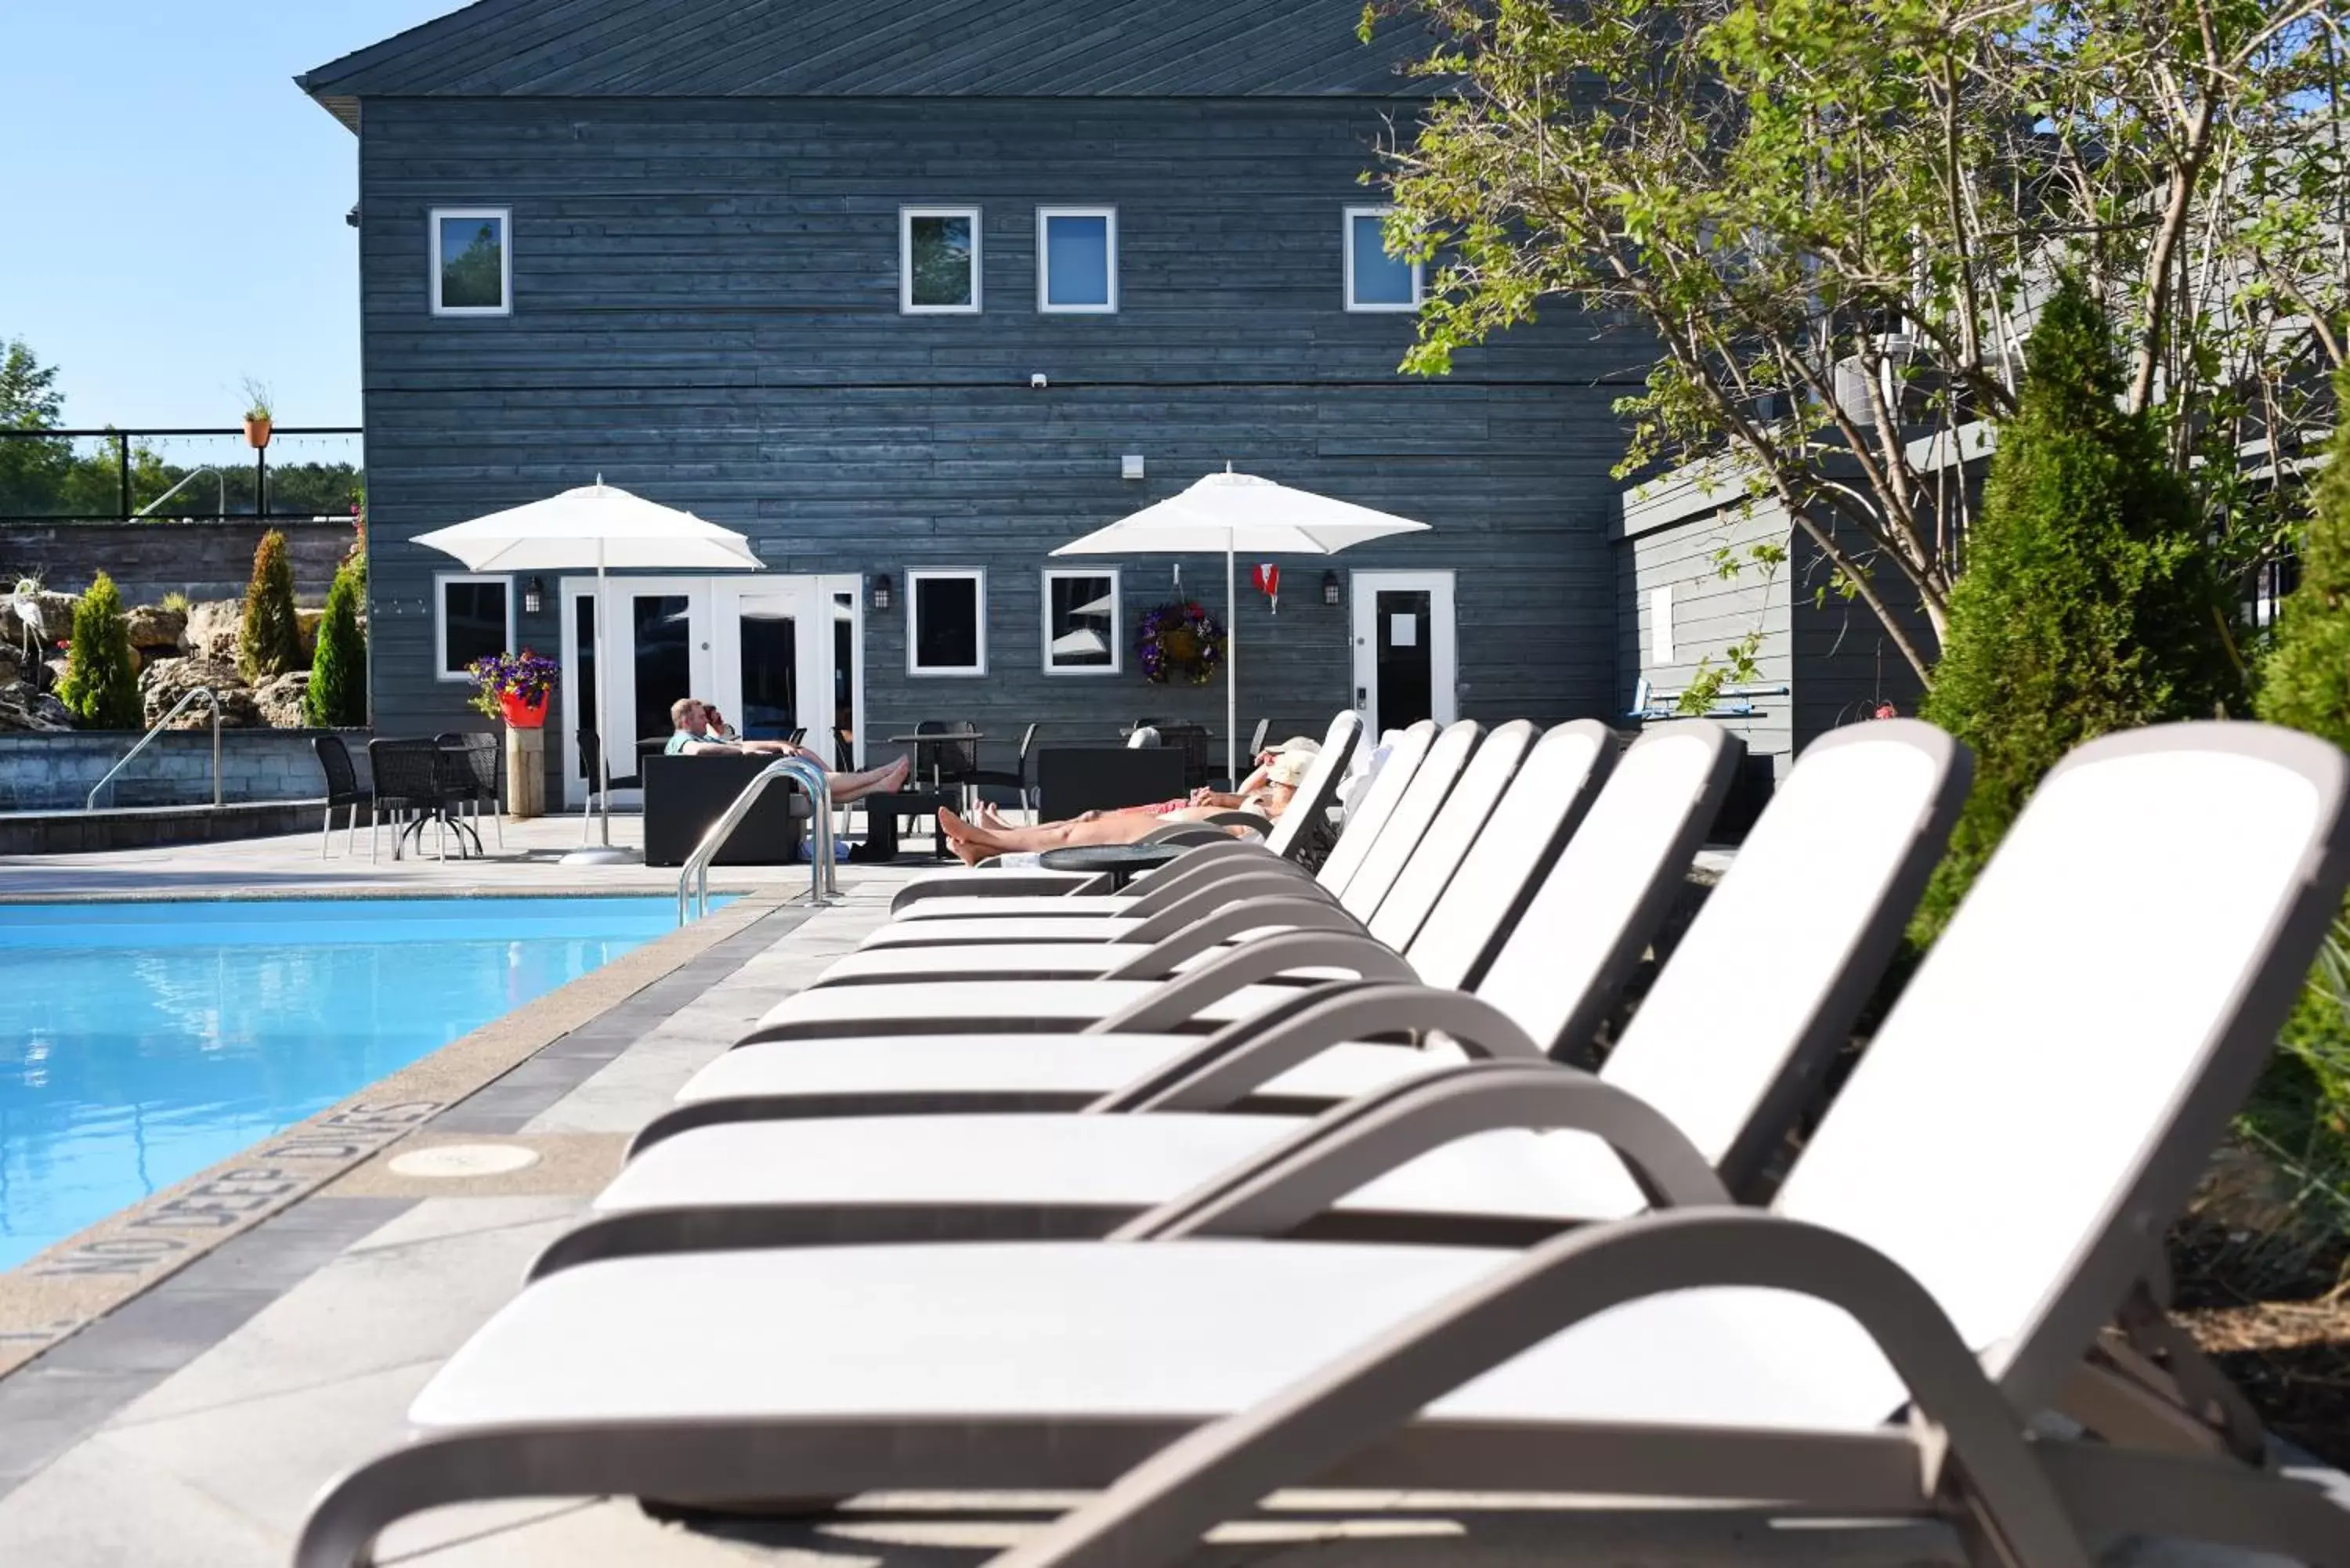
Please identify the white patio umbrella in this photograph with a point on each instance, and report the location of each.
(598, 526)
(1230, 513)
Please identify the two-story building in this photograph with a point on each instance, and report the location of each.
(910, 291)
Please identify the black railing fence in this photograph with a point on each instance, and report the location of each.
(124, 475)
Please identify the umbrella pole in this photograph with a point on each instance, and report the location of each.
(603, 702)
(603, 854)
(1231, 672)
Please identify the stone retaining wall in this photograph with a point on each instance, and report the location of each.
(55, 772)
(149, 558)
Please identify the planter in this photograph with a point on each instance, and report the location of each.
(521, 714)
(256, 432)
(526, 771)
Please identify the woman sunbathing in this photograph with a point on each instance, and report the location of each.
(1266, 792)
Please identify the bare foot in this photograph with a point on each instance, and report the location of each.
(961, 839)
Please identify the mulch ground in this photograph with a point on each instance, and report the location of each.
(2291, 1359)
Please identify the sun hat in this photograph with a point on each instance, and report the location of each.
(1289, 768)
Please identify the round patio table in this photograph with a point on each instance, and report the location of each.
(1124, 862)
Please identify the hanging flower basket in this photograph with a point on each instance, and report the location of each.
(1180, 642)
(513, 687)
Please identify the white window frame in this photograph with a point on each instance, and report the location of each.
(1347, 236)
(913, 598)
(1044, 306)
(441, 581)
(906, 306)
(505, 215)
(1660, 626)
(1116, 664)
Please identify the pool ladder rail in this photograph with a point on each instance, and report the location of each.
(694, 879)
(209, 695)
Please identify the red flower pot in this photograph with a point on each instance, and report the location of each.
(522, 715)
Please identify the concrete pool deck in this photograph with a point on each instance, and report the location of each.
(194, 1425)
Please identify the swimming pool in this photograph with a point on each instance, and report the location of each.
(142, 1041)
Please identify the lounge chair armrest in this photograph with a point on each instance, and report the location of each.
(1159, 1511)
(995, 884)
(1178, 915)
(1225, 1067)
(1340, 1150)
(1209, 865)
(1261, 825)
(1186, 940)
(1180, 1000)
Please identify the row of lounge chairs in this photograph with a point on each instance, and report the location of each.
(1246, 1178)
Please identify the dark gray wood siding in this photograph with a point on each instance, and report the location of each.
(706, 313)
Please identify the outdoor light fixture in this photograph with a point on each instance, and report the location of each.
(1330, 587)
(533, 593)
(881, 587)
(1130, 466)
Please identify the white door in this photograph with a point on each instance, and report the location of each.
(784, 660)
(659, 646)
(1404, 654)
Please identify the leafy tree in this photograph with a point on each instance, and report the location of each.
(30, 470)
(101, 680)
(336, 696)
(2088, 605)
(1834, 218)
(2302, 1111)
(269, 641)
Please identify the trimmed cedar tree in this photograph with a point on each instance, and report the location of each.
(101, 679)
(2089, 601)
(2302, 1105)
(269, 642)
(336, 696)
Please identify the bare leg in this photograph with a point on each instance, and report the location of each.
(847, 787)
(1115, 827)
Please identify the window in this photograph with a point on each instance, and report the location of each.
(475, 620)
(946, 620)
(938, 260)
(1077, 260)
(1376, 280)
(472, 265)
(1081, 623)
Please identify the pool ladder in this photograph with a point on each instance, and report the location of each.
(205, 692)
(693, 880)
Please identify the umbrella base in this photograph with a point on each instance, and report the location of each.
(602, 855)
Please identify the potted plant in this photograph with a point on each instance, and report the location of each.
(513, 687)
(257, 416)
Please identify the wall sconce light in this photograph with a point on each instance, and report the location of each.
(534, 594)
(881, 589)
(1130, 466)
(1330, 588)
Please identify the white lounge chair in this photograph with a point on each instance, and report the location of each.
(1671, 770)
(1439, 817)
(1727, 1046)
(1192, 887)
(996, 893)
(1572, 929)
(1985, 1190)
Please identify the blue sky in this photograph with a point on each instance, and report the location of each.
(172, 205)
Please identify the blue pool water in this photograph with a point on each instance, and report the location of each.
(140, 1043)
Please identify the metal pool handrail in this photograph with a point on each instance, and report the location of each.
(210, 696)
(694, 879)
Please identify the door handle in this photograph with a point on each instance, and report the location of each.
(1362, 695)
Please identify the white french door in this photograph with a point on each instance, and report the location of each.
(775, 654)
(1405, 664)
